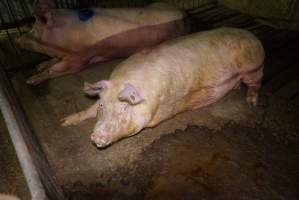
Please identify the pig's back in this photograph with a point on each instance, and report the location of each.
(156, 13)
(200, 59)
(124, 19)
(104, 23)
(167, 74)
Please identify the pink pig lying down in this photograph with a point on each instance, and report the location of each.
(181, 74)
(76, 38)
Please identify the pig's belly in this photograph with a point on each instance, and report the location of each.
(128, 42)
(195, 99)
(211, 94)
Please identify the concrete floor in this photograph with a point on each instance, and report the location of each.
(12, 180)
(70, 150)
(231, 150)
(228, 150)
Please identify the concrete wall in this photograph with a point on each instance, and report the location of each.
(277, 13)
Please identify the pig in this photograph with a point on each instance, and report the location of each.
(76, 38)
(182, 74)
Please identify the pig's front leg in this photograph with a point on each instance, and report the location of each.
(44, 68)
(69, 64)
(28, 42)
(47, 64)
(76, 118)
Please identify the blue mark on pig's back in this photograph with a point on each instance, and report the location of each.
(85, 14)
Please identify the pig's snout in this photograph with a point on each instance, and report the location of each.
(100, 140)
(19, 40)
(23, 40)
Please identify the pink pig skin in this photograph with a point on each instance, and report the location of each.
(108, 34)
(8, 197)
(182, 74)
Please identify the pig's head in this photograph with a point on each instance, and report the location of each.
(42, 12)
(35, 35)
(121, 111)
(38, 27)
(43, 21)
(38, 38)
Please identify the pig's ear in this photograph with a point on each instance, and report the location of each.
(43, 4)
(130, 95)
(94, 89)
(44, 18)
(40, 7)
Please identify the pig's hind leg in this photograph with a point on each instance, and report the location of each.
(69, 64)
(56, 70)
(200, 98)
(210, 94)
(76, 118)
(46, 72)
(31, 43)
(252, 79)
(43, 76)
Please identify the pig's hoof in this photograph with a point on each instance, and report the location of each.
(73, 119)
(41, 67)
(37, 79)
(33, 81)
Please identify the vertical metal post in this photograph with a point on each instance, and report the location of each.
(40, 180)
(29, 170)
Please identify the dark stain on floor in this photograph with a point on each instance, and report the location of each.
(198, 163)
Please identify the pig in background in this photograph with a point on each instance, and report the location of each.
(182, 74)
(76, 38)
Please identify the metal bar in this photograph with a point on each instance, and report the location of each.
(12, 16)
(11, 42)
(29, 170)
(67, 3)
(56, 4)
(28, 7)
(40, 180)
(25, 8)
